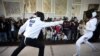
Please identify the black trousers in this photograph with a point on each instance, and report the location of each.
(30, 42)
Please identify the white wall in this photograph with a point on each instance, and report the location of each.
(21, 8)
(1, 8)
(84, 7)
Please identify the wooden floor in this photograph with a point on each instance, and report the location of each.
(51, 50)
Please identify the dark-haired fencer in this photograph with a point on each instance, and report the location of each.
(88, 32)
(31, 29)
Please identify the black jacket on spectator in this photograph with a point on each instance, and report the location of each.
(66, 24)
(2, 26)
(74, 25)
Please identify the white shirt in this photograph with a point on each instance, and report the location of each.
(33, 26)
(12, 27)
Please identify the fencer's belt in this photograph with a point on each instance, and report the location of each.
(26, 38)
(66, 28)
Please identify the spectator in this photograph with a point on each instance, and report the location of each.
(81, 28)
(73, 27)
(3, 35)
(66, 27)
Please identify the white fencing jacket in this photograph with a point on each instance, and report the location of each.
(91, 25)
(32, 27)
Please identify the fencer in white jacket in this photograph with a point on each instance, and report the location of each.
(32, 29)
(33, 26)
(88, 33)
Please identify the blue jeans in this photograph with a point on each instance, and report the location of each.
(3, 37)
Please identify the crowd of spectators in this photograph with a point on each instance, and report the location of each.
(66, 31)
(9, 29)
(69, 30)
